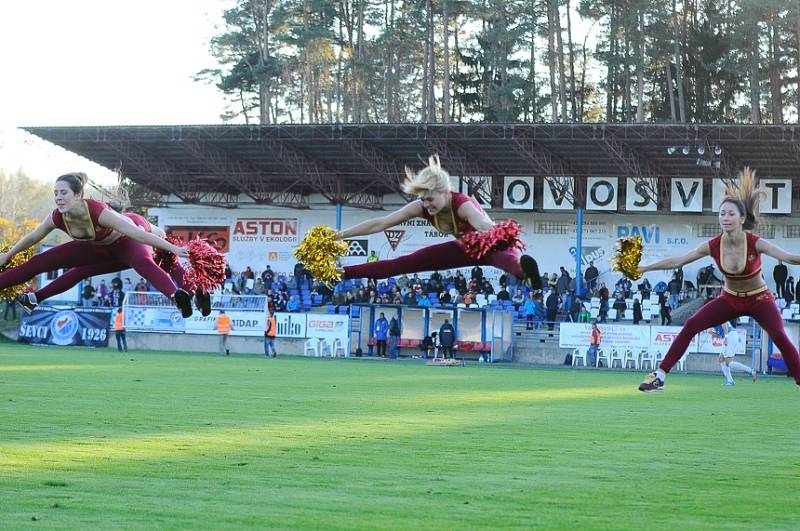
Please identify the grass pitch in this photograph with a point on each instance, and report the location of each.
(93, 438)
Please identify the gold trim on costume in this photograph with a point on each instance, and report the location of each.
(744, 293)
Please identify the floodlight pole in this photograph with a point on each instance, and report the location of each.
(338, 216)
(578, 250)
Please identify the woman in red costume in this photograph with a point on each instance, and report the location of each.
(450, 213)
(737, 252)
(104, 241)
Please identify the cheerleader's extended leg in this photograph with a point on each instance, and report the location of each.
(66, 255)
(447, 255)
(767, 316)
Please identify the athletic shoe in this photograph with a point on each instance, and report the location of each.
(531, 270)
(202, 300)
(729, 384)
(184, 303)
(651, 383)
(24, 301)
(755, 377)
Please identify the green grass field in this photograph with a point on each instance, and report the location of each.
(168, 440)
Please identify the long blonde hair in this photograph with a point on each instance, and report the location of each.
(746, 197)
(431, 178)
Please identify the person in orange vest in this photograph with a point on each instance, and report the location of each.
(269, 336)
(595, 338)
(223, 329)
(119, 331)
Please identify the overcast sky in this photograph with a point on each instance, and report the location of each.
(100, 62)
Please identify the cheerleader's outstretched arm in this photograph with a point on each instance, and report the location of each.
(677, 261)
(371, 226)
(32, 238)
(112, 220)
(770, 249)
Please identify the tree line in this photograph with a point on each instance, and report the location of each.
(623, 61)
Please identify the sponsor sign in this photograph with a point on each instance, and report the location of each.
(290, 324)
(661, 338)
(218, 236)
(243, 323)
(154, 319)
(83, 327)
(558, 193)
(357, 247)
(394, 237)
(687, 195)
(574, 335)
(711, 342)
(641, 195)
(328, 327)
(601, 193)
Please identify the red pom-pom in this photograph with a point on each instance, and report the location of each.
(206, 266)
(165, 259)
(504, 235)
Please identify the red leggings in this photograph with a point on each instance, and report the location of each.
(448, 255)
(74, 275)
(124, 253)
(760, 307)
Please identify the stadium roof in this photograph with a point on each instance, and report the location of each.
(357, 164)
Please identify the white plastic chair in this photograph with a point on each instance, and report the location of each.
(338, 348)
(630, 357)
(616, 356)
(659, 358)
(647, 356)
(325, 348)
(594, 302)
(579, 353)
(312, 346)
(480, 300)
(602, 356)
(612, 314)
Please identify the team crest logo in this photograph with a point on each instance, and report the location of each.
(357, 247)
(272, 256)
(394, 237)
(63, 327)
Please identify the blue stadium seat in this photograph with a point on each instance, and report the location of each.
(331, 308)
(355, 311)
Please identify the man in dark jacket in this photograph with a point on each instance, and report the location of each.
(394, 338)
(779, 275)
(552, 308)
(591, 275)
(447, 338)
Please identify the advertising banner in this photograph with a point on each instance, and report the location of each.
(621, 337)
(709, 341)
(81, 327)
(290, 324)
(243, 323)
(661, 338)
(328, 326)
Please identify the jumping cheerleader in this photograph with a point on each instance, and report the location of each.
(103, 240)
(737, 252)
(451, 213)
(74, 275)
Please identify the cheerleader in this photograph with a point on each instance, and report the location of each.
(102, 239)
(737, 253)
(450, 213)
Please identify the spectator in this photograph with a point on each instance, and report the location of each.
(551, 303)
(381, 333)
(529, 312)
(398, 299)
(674, 290)
(797, 291)
(645, 288)
(127, 286)
(545, 281)
(779, 273)
(428, 345)
(117, 296)
(603, 291)
(269, 336)
(562, 284)
(788, 291)
(663, 301)
(477, 273)
(602, 313)
(553, 283)
(590, 275)
(258, 288)
(637, 311)
(10, 305)
(595, 340)
(87, 294)
(402, 281)
(518, 299)
(584, 316)
(410, 299)
(620, 305)
(460, 283)
(447, 338)
(119, 331)
(223, 329)
(468, 298)
(503, 294)
(444, 297)
(394, 338)
(487, 287)
(268, 277)
(102, 293)
(423, 300)
(292, 305)
(575, 308)
(372, 257)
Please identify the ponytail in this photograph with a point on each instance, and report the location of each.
(746, 197)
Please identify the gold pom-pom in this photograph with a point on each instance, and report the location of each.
(319, 252)
(11, 292)
(628, 254)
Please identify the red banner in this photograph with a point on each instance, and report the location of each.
(219, 237)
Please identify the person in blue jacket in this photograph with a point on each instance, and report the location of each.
(381, 333)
